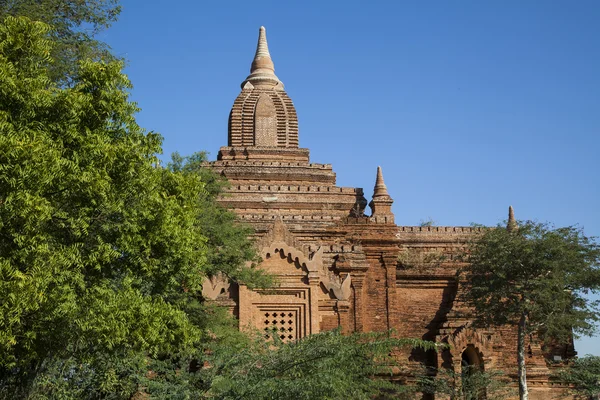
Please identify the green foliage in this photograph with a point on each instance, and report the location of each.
(99, 248)
(125, 372)
(230, 248)
(583, 375)
(74, 27)
(538, 271)
(471, 384)
(322, 366)
(327, 365)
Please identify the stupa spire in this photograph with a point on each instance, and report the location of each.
(380, 188)
(262, 71)
(512, 222)
(263, 120)
(262, 49)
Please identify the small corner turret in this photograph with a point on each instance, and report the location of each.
(381, 205)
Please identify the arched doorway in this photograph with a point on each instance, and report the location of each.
(471, 378)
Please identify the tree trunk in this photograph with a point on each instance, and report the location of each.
(523, 394)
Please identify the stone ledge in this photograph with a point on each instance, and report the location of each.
(441, 229)
(231, 163)
(263, 153)
(294, 189)
(290, 217)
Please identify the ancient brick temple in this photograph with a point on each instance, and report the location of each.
(336, 265)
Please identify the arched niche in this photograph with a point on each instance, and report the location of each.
(265, 122)
(291, 307)
(471, 358)
(470, 347)
(471, 364)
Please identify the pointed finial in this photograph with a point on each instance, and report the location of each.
(381, 204)
(512, 223)
(380, 188)
(262, 71)
(262, 48)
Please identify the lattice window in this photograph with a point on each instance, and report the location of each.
(283, 323)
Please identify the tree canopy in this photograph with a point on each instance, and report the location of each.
(99, 247)
(533, 276)
(75, 25)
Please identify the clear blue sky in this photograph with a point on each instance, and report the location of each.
(468, 106)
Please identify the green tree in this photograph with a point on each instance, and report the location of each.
(98, 247)
(583, 375)
(75, 25)
(536, 277)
